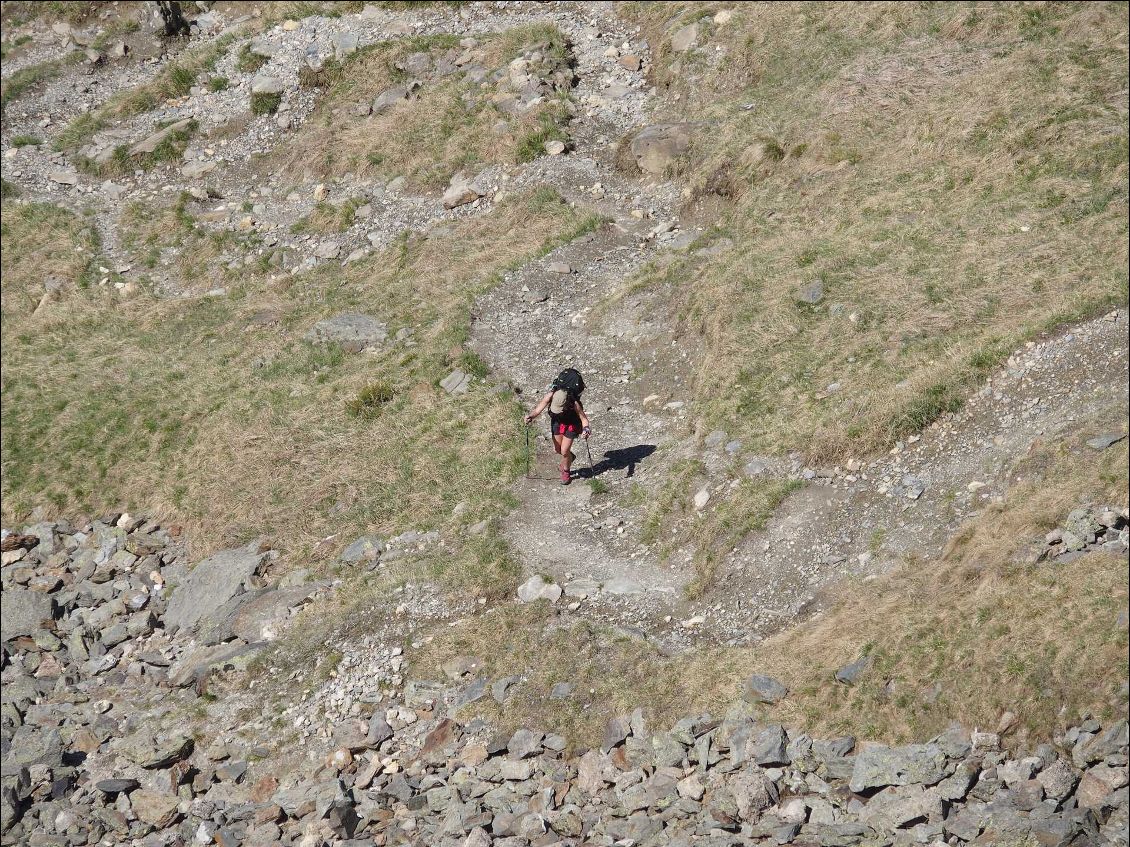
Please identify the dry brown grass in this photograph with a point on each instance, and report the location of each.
(671, 522)
(954, 176)
(43, 243)
(184, 409)
(447, 127)
(964, 638)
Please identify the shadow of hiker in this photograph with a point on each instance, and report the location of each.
(618, 460)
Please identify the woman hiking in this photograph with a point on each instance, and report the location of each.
(567, 418)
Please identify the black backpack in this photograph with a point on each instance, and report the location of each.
(571, 382)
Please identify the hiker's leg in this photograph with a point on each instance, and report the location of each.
(557, 443)
(566, 452)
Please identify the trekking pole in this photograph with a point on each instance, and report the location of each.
(588, 449)
(527, 428)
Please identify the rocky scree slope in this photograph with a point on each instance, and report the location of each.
(107, 638)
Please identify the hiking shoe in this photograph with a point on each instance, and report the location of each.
(566, 478)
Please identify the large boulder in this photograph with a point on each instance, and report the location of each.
(210, 585)
(913, 764)
(353, 332)
(23, 612)
(657, 148)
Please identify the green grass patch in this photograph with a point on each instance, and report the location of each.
(264, 103)
(371, 400)
(248, 62)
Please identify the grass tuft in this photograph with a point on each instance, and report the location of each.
(263, 103)
(371, 400)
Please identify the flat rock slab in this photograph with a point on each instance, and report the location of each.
(352, 331)
(151, 143)
(266, 617)
(456, 382)
(23, 612)
(264, 84)
(367, 548)
(1109, 439)
(201, 662)
(152, 753)
(210, 585)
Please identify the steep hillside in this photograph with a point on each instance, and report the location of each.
(848, 284)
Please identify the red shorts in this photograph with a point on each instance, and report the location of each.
(566, 425)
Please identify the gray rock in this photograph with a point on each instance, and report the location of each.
(912, 487)
(211, 584)
(391, 96)
(23, 612)
(849, 673)
(456, 382)
(715, 439)
(879, 766)
(265, 84)
(685, 38)
(561, 690)
(31, 746)
(327, 250)
(1111, 741)
(472, 693)
(524, 742)
(957, 785)
(536, 588)
(199, 663)
(896, 807)
(155, 808)
(460, 193)
(117, 786)
(657, 148)
(1058, 779)
(266, 616)
(500, 688)
(622, 584)
(262, 47)
(345, 44)
(763, 689)
(768, 747)
(367, 548)
(152, 753)
(151, 143)
(810, 294)
(353, 332)
(65, 176)
(1102, 442)
(379, 730)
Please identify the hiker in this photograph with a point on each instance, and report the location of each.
(567, 418)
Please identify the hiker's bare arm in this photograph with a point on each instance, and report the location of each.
(540, 407)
